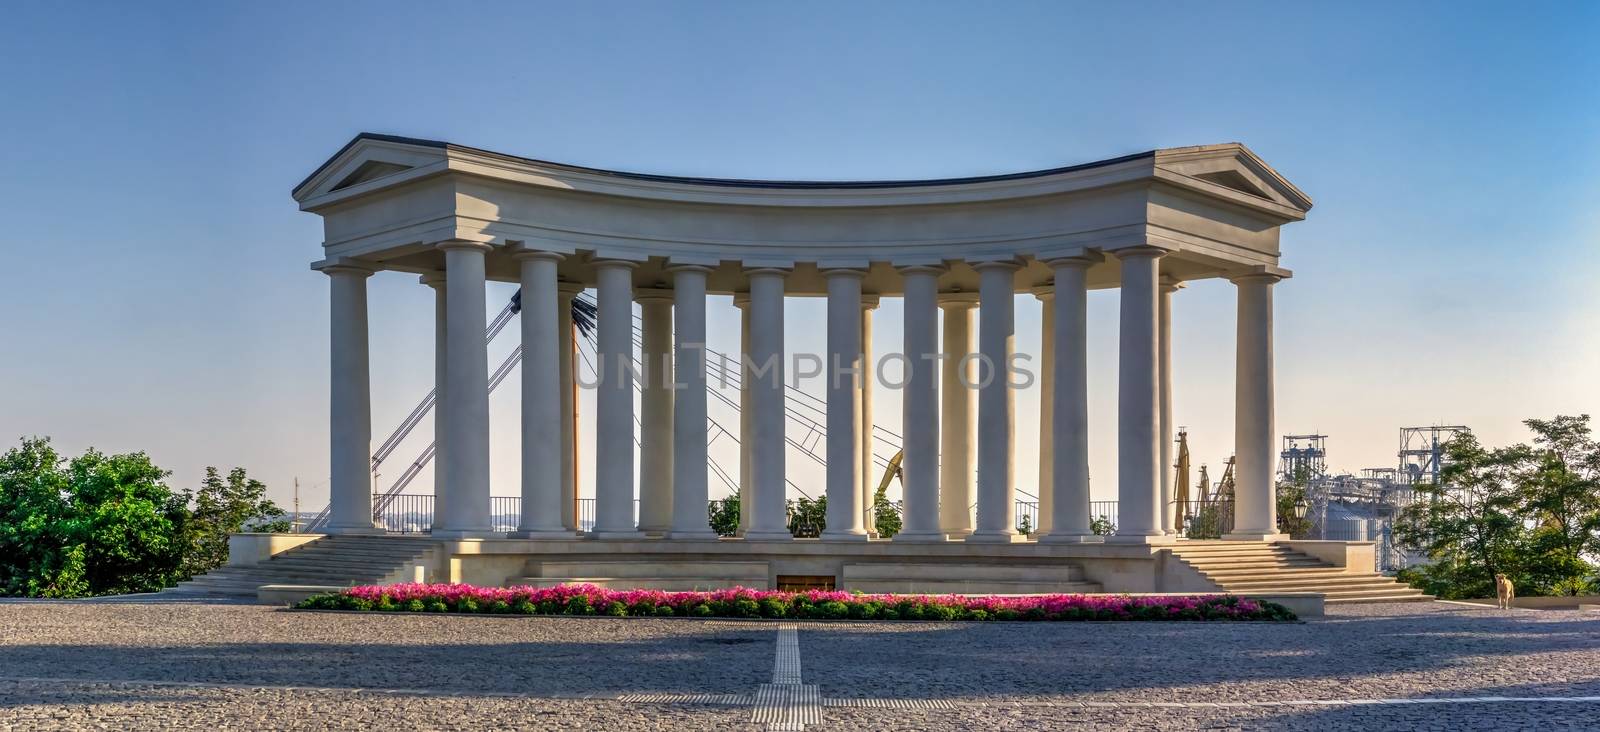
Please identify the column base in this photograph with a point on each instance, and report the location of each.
(543, 534)
(995, 537)
(1254, 536)
(768, 535)
(354, 531)
(919, 537)
(1071, 539)
(617, 535)
(957, 534)
(693, 535)
(464, 534)
(1144, 539)
(843, 536)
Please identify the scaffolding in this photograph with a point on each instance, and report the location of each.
(1302, 455)
(1422, 452)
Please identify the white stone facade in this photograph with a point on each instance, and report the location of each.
(1146, 223)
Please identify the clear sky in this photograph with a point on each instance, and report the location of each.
(156, 294)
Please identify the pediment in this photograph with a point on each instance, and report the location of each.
(368, 162)
(1232, 168)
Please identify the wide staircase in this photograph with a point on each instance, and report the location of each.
(340, 561)
(1243, 568)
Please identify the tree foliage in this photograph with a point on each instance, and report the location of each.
(108, 524)
(1528, 511)
(724, 516)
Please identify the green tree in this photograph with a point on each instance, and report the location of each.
(1470, 525)
(724, 516)
(885, 517)
(36, 523)
(1102, 526)
(223, 507)
(1290, 495)
(808, 517)
(1559, 484)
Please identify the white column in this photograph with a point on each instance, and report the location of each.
(1255, 511)
(567, 292)
(541, 399)
(741, 300)
(767, 470)
(655, 411)
(920, 405)
(958, 435)
(996, 406)
(842, 368)
(1047, 381)
(1138, 413)
(690, 489)
(462, 508)
(1169, 518)
(870, 477)
(435, 280)
(613, 472)
(1069, 433)
(349, 403)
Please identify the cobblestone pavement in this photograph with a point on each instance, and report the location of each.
(159, 665)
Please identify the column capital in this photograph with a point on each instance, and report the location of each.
(1270, 272)
(933, 269)
(741, 300)
(462, 244)
(569, 290)
(958, 300)
(344, 266)
(1006, 264)
(653, 295)
(615, 264)
(869, 301)
(688, 267)
(831, 272)
(767, 271)
(522, 251)
(434, 279)
(1045, 293)
(1076, 261)
(1143, 250)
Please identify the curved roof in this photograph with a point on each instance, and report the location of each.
(729, 182)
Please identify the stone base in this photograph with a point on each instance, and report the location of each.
(694, 535)
(1253, 536)
(776, 535)
(1071, 539)
(843, 536)
(1147, 540)
(544, 535)
(981, 537)
(464, 534)
(622, 535)
(915, 537)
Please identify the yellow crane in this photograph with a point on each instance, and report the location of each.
(891, 472)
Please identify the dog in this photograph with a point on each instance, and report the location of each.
(1504, 591)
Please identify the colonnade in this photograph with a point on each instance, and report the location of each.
(960, 440)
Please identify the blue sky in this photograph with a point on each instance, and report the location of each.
(156, 288)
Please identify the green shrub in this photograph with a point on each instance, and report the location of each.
(664, 611)
(745, 607)
(701, 611)
(977, 614)
(467, 605)
(525, 607)
(579, 605)
(500, 606)
(437, 606)
(616, 608)
(833, 610)
(772, 607)
(941, 612)
(415, 606)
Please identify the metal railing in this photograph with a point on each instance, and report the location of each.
(1208, 520)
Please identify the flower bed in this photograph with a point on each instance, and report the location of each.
(813, 605)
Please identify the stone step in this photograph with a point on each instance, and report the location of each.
(299, 563)
(969, 587)
(1208, 567)
(1245, 575)
(748, 572)
(1342, 600)
(897, 571)
(1312, 584)
(1225, 551)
